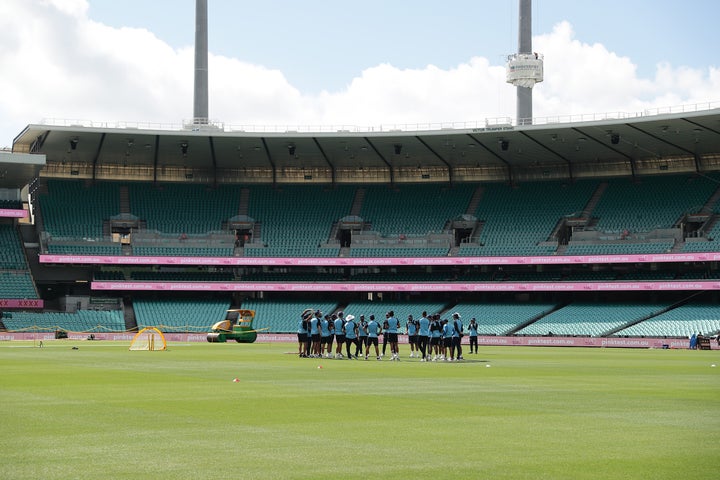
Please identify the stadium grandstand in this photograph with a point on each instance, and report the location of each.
(537, 240)
(592, 227)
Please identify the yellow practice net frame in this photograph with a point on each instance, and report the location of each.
(149, 338)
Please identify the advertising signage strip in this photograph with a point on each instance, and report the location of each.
(555, 341)
(379, 261)
(22, 303)
(12, 213)
(406, 287)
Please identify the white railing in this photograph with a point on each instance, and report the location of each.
(486, 124)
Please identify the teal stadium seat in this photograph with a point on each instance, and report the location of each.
(185, 315)
(183, 208)
(517, 220)
(682, 321)
(589, 319)
(72, 209)
(81, 321)
(295, 219)
(500, 318)
(11, 250)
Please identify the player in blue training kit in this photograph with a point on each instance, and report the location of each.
(456, 348)
(422, 336)
(448, 331)
(362, 336)
(339, 325)
(315, 334)
(350, 335)
(373, 330)
(392, 335)
(325, 337)
(435, 337)
(473, 334)
(411, 326)
(302, 332)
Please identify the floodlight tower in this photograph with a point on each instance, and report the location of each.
(524, 68)
(200, 100)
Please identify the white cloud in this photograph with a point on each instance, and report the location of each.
(61, 64)
(581, 78)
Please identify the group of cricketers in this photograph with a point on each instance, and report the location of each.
(430, 337)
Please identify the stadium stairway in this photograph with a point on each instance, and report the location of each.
(592, 203)
(644, 317)
(244, 201)
(124, 199)
(358, 201)
(711, 203)
(475, 200)
(536, 318)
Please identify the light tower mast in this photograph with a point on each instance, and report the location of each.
(200, 99)
(525, 68)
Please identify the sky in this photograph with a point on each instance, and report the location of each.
(348, 63)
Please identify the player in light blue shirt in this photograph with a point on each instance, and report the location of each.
(362, 336)
(350, 335)
(473, 334)
(339, 323)
(435, 336)
(392, 334)
(411, 326)
(422, 335)
(448, 330)
(315, 334)
(456, 347)
(373, 330)
(325, 337)
(302, 332)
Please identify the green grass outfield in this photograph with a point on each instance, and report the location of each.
(103, 412)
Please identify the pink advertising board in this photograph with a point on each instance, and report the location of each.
(22, 303)
(379, 261)
(12, 213)
(405, 287)
(291, 339)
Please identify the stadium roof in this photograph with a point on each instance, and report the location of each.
(690, 135)
(18, 170)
